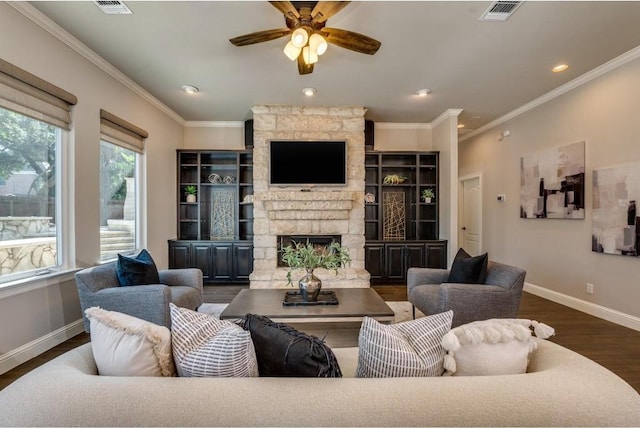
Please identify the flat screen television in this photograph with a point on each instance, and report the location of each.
(307, 163)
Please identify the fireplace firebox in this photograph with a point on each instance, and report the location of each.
(318, 241)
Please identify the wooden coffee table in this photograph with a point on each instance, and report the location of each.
(354, 304)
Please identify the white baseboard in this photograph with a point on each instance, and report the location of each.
(599, 311)
(15, 357)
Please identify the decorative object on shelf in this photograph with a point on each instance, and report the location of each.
(191, 191)
(222, 215)
(214, 178)
(394, 216)
(228, 179)
(310, 257)
(427, 194)
(393, 179)
(369, 198)
(247, 199)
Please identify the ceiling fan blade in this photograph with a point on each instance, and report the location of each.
(326, 9)
(350, 40)
(260, 36)
(303, 67)
(287, 9)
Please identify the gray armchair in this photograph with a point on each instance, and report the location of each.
(498, 297)
(99, 286)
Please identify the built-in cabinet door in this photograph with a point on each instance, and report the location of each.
(437, 255)
(243, 259)
(179, 255)
(374, 260)
(201, 259)
(395, 262)
(414, 257)
(222, 256)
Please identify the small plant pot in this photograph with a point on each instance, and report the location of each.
(427, 200)
(191, 198)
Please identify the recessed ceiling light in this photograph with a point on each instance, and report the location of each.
(559, 68)
(189, 89)
(423, 92)
(460, 125)
(309, 91)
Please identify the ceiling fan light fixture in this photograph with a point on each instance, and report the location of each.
(299, 37)
(309, 56)
(318, 44)
(291, 51)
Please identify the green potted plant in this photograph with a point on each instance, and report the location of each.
(310, 257)
(427, 194)
(191, 191)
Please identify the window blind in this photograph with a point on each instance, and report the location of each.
(121, 133)
(24, 93)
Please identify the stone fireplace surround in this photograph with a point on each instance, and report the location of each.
(320, 210)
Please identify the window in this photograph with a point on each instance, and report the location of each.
(118, 200)
(121, 148)
(29, 204)
(34, 116)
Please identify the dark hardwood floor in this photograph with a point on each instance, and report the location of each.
(611, 345)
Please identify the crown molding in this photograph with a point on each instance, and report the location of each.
(210, 124)
(390, 125)
(65, 37)
(575, 83)
(452, 112)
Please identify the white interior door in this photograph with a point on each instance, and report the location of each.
(471, 216)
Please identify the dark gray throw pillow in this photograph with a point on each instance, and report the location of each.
(138, 270)
(283, 351)
(468, 270)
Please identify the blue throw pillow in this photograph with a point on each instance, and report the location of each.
(138, 270)
(468, 270)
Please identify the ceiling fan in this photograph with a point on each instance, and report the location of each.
(306, 22)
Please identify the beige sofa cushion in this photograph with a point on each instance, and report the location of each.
(128, 346)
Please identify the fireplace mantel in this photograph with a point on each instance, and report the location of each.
(309, 205)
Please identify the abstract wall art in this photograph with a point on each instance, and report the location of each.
(552, 183)
(616, 221)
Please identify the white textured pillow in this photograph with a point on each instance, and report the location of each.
(492, 347)
(407, 349)
(128, 346)
(206, 346)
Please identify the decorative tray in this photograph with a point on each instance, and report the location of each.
(294, 298)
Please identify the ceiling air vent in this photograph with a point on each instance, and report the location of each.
(500, 10)
(113, 7)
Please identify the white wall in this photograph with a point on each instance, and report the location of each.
(214, 136)
(445, 140)
(412, 137)
(557, 253)
(25, 318)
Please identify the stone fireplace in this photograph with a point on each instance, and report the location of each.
(317, 211)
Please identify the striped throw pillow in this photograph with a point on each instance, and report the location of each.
(407, 349)
(204, 346)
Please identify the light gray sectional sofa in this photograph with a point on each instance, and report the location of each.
(562, 388)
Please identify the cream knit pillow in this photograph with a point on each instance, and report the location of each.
(128, 346)
(492, 347)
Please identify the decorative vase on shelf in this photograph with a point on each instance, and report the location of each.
(310, 286)
(191, 198)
